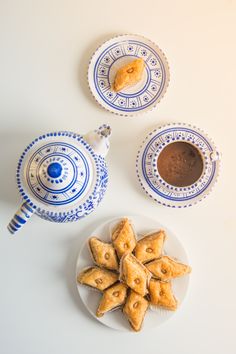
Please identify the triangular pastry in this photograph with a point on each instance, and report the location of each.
(104, 254)
(161, 294)
(112, 298)
(129, 74)
(134, 274)
(150, 247)
(97, 278)
(123, 237)
(135, 309)
(166, 268)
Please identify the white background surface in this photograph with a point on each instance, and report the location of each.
(45, 47)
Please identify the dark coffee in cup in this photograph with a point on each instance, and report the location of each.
(180, 164)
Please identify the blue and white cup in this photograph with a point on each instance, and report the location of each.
(153, 182)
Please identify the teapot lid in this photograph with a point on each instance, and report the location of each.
(57, 169)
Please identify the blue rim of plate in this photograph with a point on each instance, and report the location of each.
(157, 75)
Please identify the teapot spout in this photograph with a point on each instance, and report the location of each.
(99, 139)
(20, 218)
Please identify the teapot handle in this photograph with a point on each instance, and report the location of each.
(21, 216)
(214, 156)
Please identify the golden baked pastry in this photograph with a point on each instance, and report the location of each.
(123, 237)
(135, 309)
(142, 279)
(97, 278)
(129, 74)
(150, 247)
(112, 298)
(103, 253)
(161, 294)
(134, 274)
(166, 268)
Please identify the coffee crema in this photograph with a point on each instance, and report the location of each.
(180, 164)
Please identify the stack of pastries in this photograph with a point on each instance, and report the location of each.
(132, 274)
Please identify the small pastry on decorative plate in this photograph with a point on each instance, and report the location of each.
(150, 247)
(97, 278)
(166, 268)
(129, 74)
(103, 253)
(161, 295)
(135, 309)
(112, 298)
(134, 274)
(123, 237)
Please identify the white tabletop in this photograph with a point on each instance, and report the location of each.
(45, 47)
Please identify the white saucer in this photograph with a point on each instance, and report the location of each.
(155, 186)
(113, 54)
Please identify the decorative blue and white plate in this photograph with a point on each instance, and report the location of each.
(155, 186)
(117, 52)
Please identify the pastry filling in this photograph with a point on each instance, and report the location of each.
(98, 281)
(116, 293)
(130, 70)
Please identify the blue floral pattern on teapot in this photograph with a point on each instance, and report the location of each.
(62, 176)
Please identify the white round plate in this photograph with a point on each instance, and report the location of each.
(116, 319)
(117, 52)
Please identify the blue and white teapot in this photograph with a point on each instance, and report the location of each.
(62, 176)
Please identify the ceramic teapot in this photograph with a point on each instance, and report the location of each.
(62, 176)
